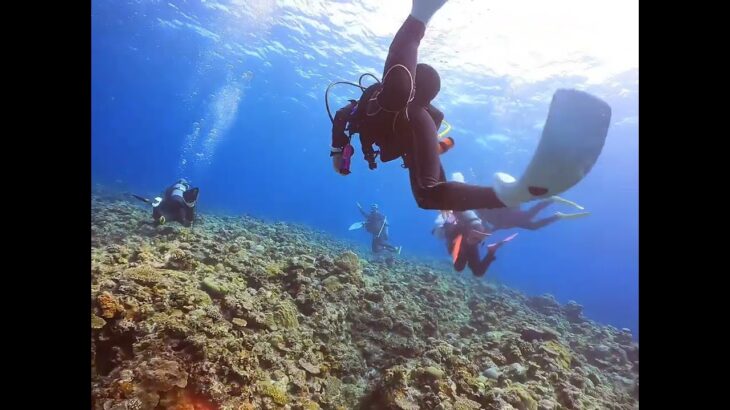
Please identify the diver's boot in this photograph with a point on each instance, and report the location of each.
(571, 216)
(556, 198)
(423, 10)
(571, 141)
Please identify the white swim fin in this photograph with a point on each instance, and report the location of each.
(423, 10)
(571, 142)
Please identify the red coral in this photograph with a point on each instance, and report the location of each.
(189, 400)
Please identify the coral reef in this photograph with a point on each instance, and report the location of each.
(237, 313)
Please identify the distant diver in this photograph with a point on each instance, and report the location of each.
(177, 204)
(377, 225)
(397, 116)
(464, 233)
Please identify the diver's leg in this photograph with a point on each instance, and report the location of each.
(472, 252)
(383, 240)
(182, 217)
(481, 267)
(535, 209)
(558, 216)
(460, 262)
(491, 254)
(428, 184)
(177, 208)
(384, 233)
(400, 65)
(541, 223)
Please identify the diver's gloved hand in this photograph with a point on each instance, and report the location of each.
(338, 161)
(423, 10)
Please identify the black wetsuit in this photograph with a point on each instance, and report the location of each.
(410, 129)
(468, 253)
(376, 225)
(173, 207)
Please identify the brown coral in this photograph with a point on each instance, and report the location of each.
(323, 326)
(108, 305)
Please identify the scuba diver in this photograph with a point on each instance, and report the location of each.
(177, 204)
(397, 116)
(377, 225)
(463, 232)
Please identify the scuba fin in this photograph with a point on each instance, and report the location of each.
(423, 10)
(571, 216)
(572, 140)
(494, 246)
(566, 202)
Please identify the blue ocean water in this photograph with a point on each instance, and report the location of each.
(230, 94)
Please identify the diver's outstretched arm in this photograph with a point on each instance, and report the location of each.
(359, 207)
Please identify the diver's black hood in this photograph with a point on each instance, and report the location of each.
(428, 84)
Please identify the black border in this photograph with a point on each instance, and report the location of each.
(677, 156)
(51, 205)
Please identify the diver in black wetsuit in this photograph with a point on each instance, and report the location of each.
(177, 204)
(398, 117)
(377, 225)
(464, 233)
